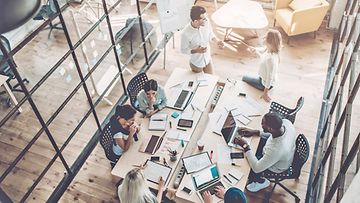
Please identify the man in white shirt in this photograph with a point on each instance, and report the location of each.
(275, 151)
(195, 39)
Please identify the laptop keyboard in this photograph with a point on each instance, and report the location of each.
(211, 188)
(180, 101)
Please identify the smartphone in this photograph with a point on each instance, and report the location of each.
(155, 158)
(236, 155)
(187, 190)
(242, 94)
(190, 84)
(185, 123)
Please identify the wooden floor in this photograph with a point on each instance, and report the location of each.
(302, 72)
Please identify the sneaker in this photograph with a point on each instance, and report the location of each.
(255, 186)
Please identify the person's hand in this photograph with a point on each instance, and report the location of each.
(199, 50)
(207, 197)
(161, 183)
(240, 141)
(219, 191)
(133, 129)
(246, 132)
(251, 49)
(220, 44)
(266, 97)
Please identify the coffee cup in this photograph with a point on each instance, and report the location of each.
(200, 145)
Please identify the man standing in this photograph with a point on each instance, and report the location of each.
(275, 151)
(195, 39)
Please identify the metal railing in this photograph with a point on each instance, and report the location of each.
(336, 112)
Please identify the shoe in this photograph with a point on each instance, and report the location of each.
(255, 186)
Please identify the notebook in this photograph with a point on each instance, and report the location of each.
(158, 122)
(154, 170)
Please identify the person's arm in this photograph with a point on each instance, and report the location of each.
(163, 98)
(123, 144)
(160, 189)
(269, 159)
(185, 45)
(214, 39)
(143, 105)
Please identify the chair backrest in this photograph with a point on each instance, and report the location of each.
(5, 68)
(135, 85)
(286, 112)
(301, 154)
(107, 141)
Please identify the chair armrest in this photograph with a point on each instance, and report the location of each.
(301, 18)
(282, 4)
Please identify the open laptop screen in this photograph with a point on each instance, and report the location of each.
(206, 176)
(228, 127)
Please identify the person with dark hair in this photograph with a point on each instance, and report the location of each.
(195, 39)
(275, 151)
(123, 128)
(232, 195)
(152, 98)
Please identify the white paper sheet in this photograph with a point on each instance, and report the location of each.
(225, 151)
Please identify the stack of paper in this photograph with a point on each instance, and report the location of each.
(158, 122)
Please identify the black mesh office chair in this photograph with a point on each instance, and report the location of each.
(135, 85)
(301, 155)
(6, 70)
(107, 142)
(45, 12)
(285, 112)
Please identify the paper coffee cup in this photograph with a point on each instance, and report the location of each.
(200, 145)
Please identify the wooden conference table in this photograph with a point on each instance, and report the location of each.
(214, 142)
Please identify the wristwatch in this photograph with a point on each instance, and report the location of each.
(246, 147)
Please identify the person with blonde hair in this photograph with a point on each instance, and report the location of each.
(134, 189)
(269, 63)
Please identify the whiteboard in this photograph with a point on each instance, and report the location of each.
(173, 14)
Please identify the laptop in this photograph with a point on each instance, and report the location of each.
(181, 98)
(206, 180)
(229, 131)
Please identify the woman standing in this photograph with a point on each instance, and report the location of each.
(269, 63)
(152, 99)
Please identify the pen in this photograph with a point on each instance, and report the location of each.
(233, 176)
(170, 124)
(181, 129)
(211, 154)
(255, 115)
(182, 143)
(227, 179)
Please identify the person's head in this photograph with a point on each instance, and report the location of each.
(273, 41)
(150, 88)
(271, 123)
(134, 188)
(198, 16)
(125, 114)
(234, 195)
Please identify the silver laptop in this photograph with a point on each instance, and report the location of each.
(206, 180)
(229, 131)
(181, 98)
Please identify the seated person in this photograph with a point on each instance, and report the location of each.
(275, 151)
(123, 128)
(152, 99)
(232, 195)
(134, 189)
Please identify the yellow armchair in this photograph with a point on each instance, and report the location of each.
(295, 22)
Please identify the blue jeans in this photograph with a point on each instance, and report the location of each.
(255, 82)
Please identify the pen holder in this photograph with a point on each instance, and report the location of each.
(173, 158)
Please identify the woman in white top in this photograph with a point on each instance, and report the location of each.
(134, 189)
(269, 63)
(123, 128)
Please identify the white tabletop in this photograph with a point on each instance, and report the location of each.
(215, 142)
(200, 99)
(240, 14)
